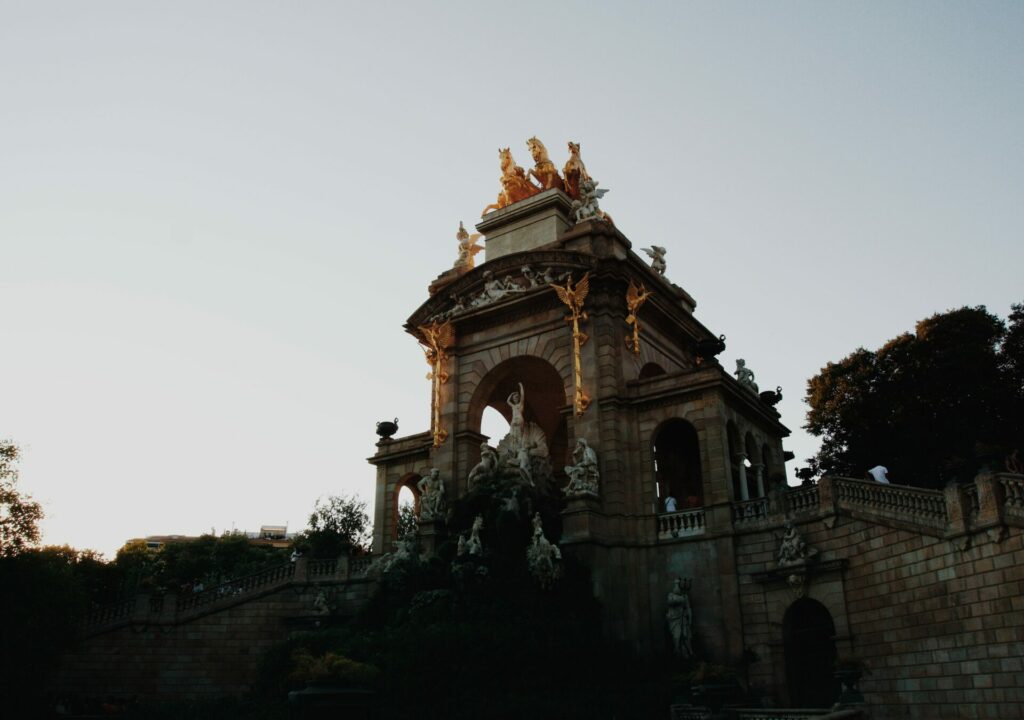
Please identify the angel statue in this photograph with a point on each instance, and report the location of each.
(467, 249)
(657, 255)
(586, 208)
(635, 297)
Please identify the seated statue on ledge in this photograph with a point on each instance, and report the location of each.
(584, 477)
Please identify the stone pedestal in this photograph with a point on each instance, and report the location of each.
(526, 225)
(431, 536)
(579, 518)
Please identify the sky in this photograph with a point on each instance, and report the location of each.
(216, 217)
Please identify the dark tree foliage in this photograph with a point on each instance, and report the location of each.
(408, 524)
(338, 526)
(19, 514)
(182, 565)
(477, 636)
(933, 406)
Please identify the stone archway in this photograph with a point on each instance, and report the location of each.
(677, 464)
(545, 402)
(808, 634)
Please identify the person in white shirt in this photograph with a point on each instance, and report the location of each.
(879, 474)
(670, 504)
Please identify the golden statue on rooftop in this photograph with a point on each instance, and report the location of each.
(515, 186)
(574, 172)
(544, 171)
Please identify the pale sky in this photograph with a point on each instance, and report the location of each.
(216, 216)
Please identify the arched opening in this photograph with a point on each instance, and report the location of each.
(677, 466)
(651, 370)
(408, 512)
(544, 403)
(755, 470)
(808, 635)
(408, 495)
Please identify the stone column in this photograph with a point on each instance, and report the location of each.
(759, 478)
(744, 491)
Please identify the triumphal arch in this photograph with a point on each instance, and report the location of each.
(614, 396)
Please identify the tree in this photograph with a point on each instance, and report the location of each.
(19, 514)
(338, 525)
(932, 406)
(408, 523)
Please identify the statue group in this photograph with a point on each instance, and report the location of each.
(518, 184)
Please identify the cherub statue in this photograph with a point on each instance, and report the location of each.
(467, 249)
(515, 186)
(432, 496)
(544, 170)
(574, 172)
(536, 279)
(745, 375)
(584, 477)
(586, 207)
(657, 255)
(487, 467)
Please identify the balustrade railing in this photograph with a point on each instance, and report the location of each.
(749, 511)
(913, 504)
(110, 613)
(322, 568)
(358, 566)
(1013, 494)
(238, 586)
(681, 524)
(802, 499)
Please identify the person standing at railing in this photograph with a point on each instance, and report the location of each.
(670, 504)
(879, 474)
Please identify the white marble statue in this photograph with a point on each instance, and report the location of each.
(680, 619)
(745, 375)
(487, 467)
(474, 546)
(542, 556)
(587, 208)
(538, 279)
(657, 255)
(584, 477)
(433, 504)
(320, 604)
(517, 424)
(793, 550)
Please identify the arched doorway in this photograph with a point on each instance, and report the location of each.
(808, 635)
(677, 465)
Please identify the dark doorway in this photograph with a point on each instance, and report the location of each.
(809, 636)
(677, 464)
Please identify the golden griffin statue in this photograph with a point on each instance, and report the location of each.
(436, 338)
(573, 297)
(635, 297)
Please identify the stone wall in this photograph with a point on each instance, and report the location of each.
(926, 588)
(210, 644)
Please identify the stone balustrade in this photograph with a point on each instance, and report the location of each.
(145, 608)
(686, 523)
(1012, 487)
(917, 505)
(751, 511)
(803, 499)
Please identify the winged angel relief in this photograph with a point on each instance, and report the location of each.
(436, 338)
(573, 297)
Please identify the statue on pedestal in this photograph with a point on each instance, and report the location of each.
(584, 477)
(586, 207)
(793, 550)
(680, 618)
(433, 504)
(745, 375)
(467, 249)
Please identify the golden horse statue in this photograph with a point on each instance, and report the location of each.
(574, 172)
(515, 186)
(544, 171)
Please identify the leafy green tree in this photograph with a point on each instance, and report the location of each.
(19, 514)
(408, 524)
(338, 525)
(934, 405)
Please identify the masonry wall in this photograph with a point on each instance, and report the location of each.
(938, 618)
(213, 654)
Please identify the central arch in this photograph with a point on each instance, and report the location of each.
(545, 403)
